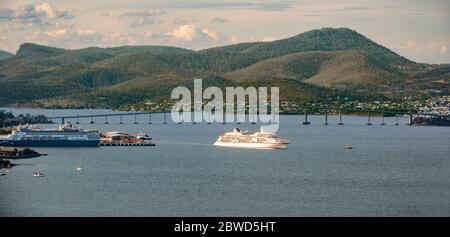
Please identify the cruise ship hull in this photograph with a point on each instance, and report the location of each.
(47, 143)
(248, 145)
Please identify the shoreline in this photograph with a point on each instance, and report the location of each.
(357, 114)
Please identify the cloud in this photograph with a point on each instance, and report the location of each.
(210, 33)
(218, 20)
(68, 34)
(30, 15)
(118, 39)
(269, 39)
(56, 32)
(191, 32)
(309, 14)
(182, 21)
(143, 17)
(361, 8)
(266, 5)
(185, 32)
(411, 45)
(234, 40)
(143, 13)
(413, 48)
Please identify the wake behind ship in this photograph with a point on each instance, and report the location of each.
(65, 135)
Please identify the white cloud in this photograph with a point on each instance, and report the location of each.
(444, 49)
(86, 32)
(50, 12)
(210, 33)
(56, 32)
(67, 34)
(30, 15)
(269, 39)
(185, 32)
(413, 49)
(234, 40)
(191, 32)
(148, 33)
(143, 17)
(411, 45)
(431, 47)
(183, 21)
(218, 20)
(117, 39)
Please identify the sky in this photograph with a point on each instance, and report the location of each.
(416, 29)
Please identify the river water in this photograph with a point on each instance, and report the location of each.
(392, 171)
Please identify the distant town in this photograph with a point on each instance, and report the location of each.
(434, 106)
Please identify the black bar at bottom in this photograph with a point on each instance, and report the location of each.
(205, 226)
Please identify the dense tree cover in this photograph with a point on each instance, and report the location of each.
(4, 54)
(8, 119)
(108, 77)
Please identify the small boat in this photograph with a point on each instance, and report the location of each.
(78, 168)
(143, 136)
(348, 147)
(38, 172)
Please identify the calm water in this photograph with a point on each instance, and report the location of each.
(392, 171)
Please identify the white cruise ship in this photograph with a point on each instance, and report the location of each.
(64, 136)
(258, 140)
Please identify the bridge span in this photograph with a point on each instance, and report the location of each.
(304, 122)
(92, 116)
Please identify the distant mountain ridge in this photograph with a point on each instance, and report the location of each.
(306, 67)
(4, 54)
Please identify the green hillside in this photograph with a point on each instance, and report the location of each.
(306, 67)
(4, 54)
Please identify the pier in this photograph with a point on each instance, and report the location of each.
(125, 144)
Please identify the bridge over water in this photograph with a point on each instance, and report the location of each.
(92, 116)
(305, 121)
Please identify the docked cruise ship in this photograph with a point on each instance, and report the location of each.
(66, 135)
(258, 140)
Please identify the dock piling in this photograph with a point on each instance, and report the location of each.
(209, 118)
(306, 119)
(340, 118)
(368, 119)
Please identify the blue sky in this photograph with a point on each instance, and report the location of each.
(416, 29)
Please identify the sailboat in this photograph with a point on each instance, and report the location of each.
(38, 172)
(78, 168)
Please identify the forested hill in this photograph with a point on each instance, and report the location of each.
(315, 64)
(4, 54)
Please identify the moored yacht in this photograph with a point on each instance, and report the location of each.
(258, 140)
